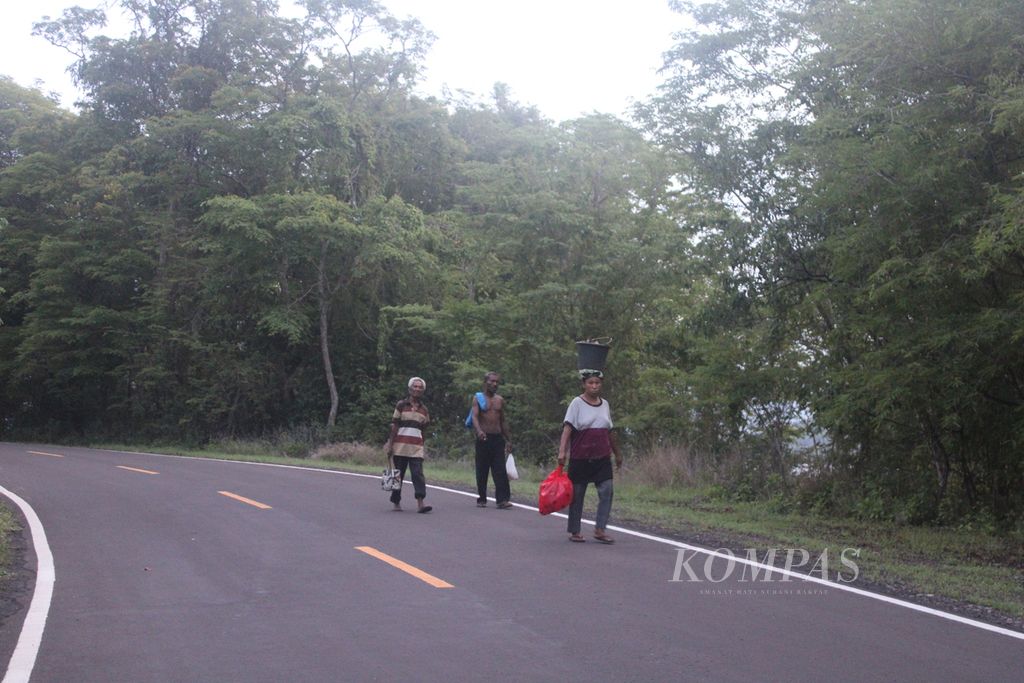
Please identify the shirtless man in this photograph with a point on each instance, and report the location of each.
(492, 444)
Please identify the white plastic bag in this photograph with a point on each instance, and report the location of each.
(510, 467)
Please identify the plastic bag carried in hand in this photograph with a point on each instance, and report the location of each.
(510, 467)
(555, 492)
(391, 478)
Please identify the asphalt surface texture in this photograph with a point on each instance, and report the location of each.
(182, 569)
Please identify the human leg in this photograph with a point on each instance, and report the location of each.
(605, 492)
(579, 490)
(482, 466)
(502, 490)
(419, 481)
(401, 462)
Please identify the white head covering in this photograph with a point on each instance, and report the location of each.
(418, 379)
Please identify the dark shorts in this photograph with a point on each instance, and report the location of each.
(592, 471)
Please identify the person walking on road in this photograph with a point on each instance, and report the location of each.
(589, 442)
(405, 442)
(492, 443)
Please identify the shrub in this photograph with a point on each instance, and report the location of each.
(299, 441)
(351, 452)
(675, 465)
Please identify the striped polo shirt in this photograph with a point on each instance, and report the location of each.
(411, 422)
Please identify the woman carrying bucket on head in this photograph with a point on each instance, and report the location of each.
(589, 442)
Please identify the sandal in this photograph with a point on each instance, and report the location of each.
(576, 538)
(604, 538)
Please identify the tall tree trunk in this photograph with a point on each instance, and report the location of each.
(325, 347)
(232, 426)
(970, 490)
(940, 457)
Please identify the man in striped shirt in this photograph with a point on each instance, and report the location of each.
(405, 443)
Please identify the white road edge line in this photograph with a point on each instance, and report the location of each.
(23, 660)
(667, 541)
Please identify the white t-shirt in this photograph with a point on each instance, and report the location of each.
(591, 429)
(581, 415)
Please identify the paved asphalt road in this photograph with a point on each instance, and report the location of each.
(161, 577)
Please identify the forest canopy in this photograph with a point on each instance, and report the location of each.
(808, 247)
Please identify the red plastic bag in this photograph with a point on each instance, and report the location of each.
(555, 492)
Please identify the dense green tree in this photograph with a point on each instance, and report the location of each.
(253, 224)
(207, 100)
(862, 147)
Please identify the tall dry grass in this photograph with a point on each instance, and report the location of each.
(675, 465)
(351, 452)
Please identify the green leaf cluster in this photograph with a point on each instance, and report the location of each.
(873, 154)
(808, 248)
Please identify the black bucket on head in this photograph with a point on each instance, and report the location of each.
(592, 354)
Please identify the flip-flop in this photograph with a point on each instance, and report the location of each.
(425, 508)
(576, 538)
(607, 540)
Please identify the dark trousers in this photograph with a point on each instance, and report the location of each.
(605, 493)
(490, 456)
(419, 482)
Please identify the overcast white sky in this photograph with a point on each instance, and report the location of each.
(567, 57)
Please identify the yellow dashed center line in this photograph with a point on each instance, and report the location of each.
(52, 455)
(135, 469)
(247, 501)
(407, 568)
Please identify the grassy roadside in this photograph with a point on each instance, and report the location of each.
(970, 571)
(8, 525)
(933, 566)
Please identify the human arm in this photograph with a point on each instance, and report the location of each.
(504, 429)
(613, 438)
(389, 444)
(563, 444)
(474, 412)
